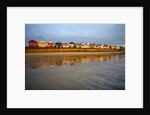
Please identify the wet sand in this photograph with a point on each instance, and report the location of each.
(75, 71)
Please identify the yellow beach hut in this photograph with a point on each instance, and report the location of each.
(42, 43)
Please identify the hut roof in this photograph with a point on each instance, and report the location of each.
(42, 41)
(71, 43)
(106, 45)
(65, 42)
(50, 41)
(33, 41)
(58, 42)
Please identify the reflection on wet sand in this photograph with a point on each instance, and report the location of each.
(75, 72)
(34, 61)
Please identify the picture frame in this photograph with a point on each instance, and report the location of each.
(4, 24)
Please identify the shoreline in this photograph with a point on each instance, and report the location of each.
(75, 53)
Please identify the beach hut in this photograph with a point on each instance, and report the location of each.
(98, 45)
(122, 48)
(113, 47)
(104, 46)
(77, 45)
(51, 44)
(71, 44)
(94, 45)
(91, 46)
(58, 44)
(32, 43)
(118, 47)
(87, 45)
(65, 44)
(82, 45)
(42, 43)
(109, 46)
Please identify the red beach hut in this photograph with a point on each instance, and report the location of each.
(33, 43)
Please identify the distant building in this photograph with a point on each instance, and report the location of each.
(51, 44)
(42, 43)
(32, 43)
(71, 44)
(58, 44)
(65, 44)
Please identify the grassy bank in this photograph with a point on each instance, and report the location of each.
(53, 50)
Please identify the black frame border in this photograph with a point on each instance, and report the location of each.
(64, 3)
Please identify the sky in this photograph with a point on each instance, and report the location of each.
(110, 34)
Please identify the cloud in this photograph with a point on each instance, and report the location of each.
(92, 33)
